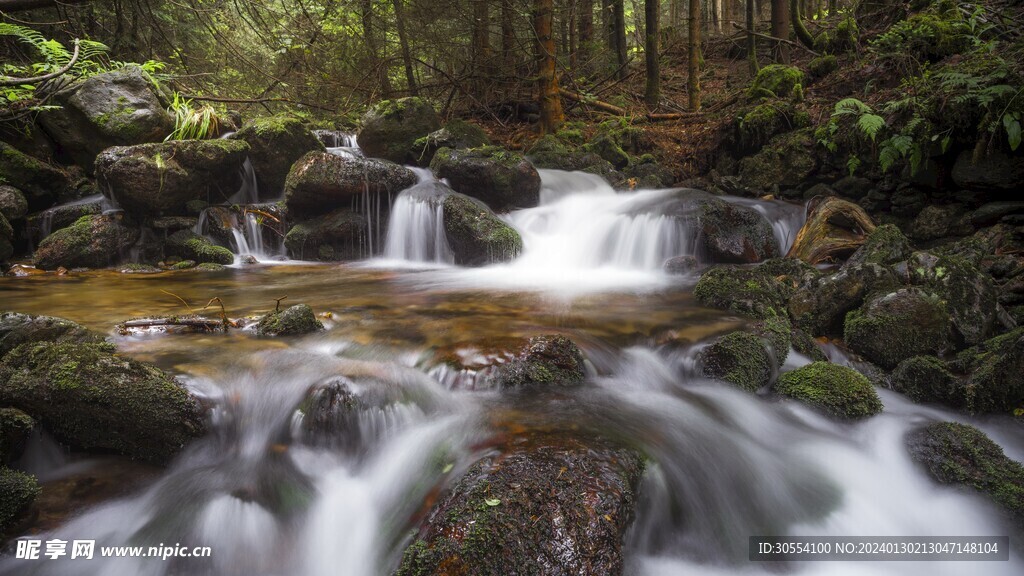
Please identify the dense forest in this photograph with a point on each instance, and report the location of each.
(450, 287)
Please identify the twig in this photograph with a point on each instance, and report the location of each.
(277, 306)
(256, 101)
(12, 81)
(223, 314)
(180, 299)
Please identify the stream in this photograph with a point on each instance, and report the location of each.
(723, 464)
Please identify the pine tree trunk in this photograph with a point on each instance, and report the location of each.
(621, 47)
(403, 40)
(751, 39)
(551, 115)
(780, 29)
(796, 13)
(586, 35)
(693, 56)
(508, 36)
(371, 45)
(652, 12)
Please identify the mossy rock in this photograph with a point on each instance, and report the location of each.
(787, 161)
(275, 143)
(552, 152)
(17, 492)
(930, 35)
(646, 172)
(608, 149)
(776, 81)
(885, 245)
(15, 427)
(91, 242)
(543, 504)
(755, 292)
(320, 182)
(545, 361)
(184, 265)
(804, 344)
(40, 183)
(13, 205)
(928, 379)
(970, 294)
(41, 224)
(191, 246)
(894, 326)
(292, 321)
(822, 66)
(757, 126)
(995, 366)
(6, 236)
(391, 128)
(838, 390)
(740, 358)
(17, 329)
(821, 304)
(475, 235)
(209, 267)
(501, 179)
(777, 332)
(456, 134)
(961, 455)
(90, 398)
(725, 232)
(335, 236)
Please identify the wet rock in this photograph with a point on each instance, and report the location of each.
(804, 344)
(885, 245)
(13, 205)
(475, 235)
(680, 265)
(740, 358)
(853, 187)
(834, 229)
(970, 294)
(820, 305)
(543, 506)
(993, 212)
(39, 182)
(391, 128)
(91, 242)
(15, 427)
(275, 143)
(545, 361)
(939, 221)
(292, 321)
(6, 239)
(42, 224)
(17, 491)
(90, 398)
(337, 235)
(331, 413)
(191, 246)
(927, 379)
(320, 182)
(17, 329)
(786, 162)
(550, 152)
(729, 233)
(962, 455)
(162, 179)
(210, 267)
(456, 135)
(646, 173)
(996, 171)
(995, 366)
(117, 108)
(172, 224)
(501, 179)
(757, 292)
(894, 326)
(838, 390)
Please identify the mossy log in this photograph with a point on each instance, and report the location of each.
(834, 230)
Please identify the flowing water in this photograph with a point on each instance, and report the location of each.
(272, 496)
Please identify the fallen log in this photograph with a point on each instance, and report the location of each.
(834, 229)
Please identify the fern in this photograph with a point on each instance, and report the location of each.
(871, 125)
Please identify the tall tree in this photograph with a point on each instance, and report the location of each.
(403, 41)
(586, 34)
(751, 39)
(796, 13)
(481, 43)
(508, 35)
(780, 29)
(551, 115)
(693, 56)
(652, 12)
(619, 29)
(380, 67)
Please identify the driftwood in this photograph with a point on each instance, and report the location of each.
(171, 324)
(834, 229)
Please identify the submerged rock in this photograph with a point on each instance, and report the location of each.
(191, 246)
(320, 182)
(475, 235)
(740, 358)
(15, 427)
(544, 506)
(17, 329)
(337, 235)
(91, 242)
(292, 321)
(962, 455)
(90, 398)
(545, 361)
(162, 179)
(894, 326)
(838, 390)
(17, 491)
(501, 179)
(391, 128)
(275, 143)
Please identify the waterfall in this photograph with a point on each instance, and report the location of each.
(339, 143)
(416, 228)
(786, 219)
(248, 238)
(248, 192)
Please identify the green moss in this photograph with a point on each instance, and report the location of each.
(210, 267)
(775, 329)
(885, 245)
(776, 81)
(893, 327)
(761, 123)
(932, 34)
(191, 246)
(15, 427)
(740, 358)
(959, 454)
(184, 265)
(822, 66)
(994, 367)
(751, 291)
(476, 235)
(838, 390)
(804, 344)
(17, 491)
(292, 321)
(927, 379)
(544, 361)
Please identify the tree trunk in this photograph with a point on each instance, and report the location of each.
(652, 12)
(751, 40)
(693, 56)
(481, 44)
(586, 34)
(621, 47)
(369, 37)
(403, 40)
(798, 24)
(574, 38)
(780, 29)
(508, 36)
(551, 115)
(727, 16)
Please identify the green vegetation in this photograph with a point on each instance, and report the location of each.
(838, 390)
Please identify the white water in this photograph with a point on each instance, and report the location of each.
(416, 227)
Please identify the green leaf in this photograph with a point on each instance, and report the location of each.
(447, 468)
(492, 501)
(1012, 126)
(870, 125)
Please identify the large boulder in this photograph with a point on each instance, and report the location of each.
(475, 235)
(894, 326)
(740, 358)
(90, 398)
(391, 128)
(995, 366)
(161, 179)
(969, 293)
(727, 232)
(760, 292)
(188, 245)
(17, 329)
(786, 162)
(996, 171)
(820, 305)
(457, 135)
(39, 182)
(320, 182)
(17, 491)
(838, 390)
(337, 235)
(885, 245)
(91, 242)
(501, 179)
(928, 379)
(118, 108)
(275, 143)
(42, 224)
(542, 505)
(13, 205)
(834, 229)
(292, 321)
(963, 456)
(545, 361)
